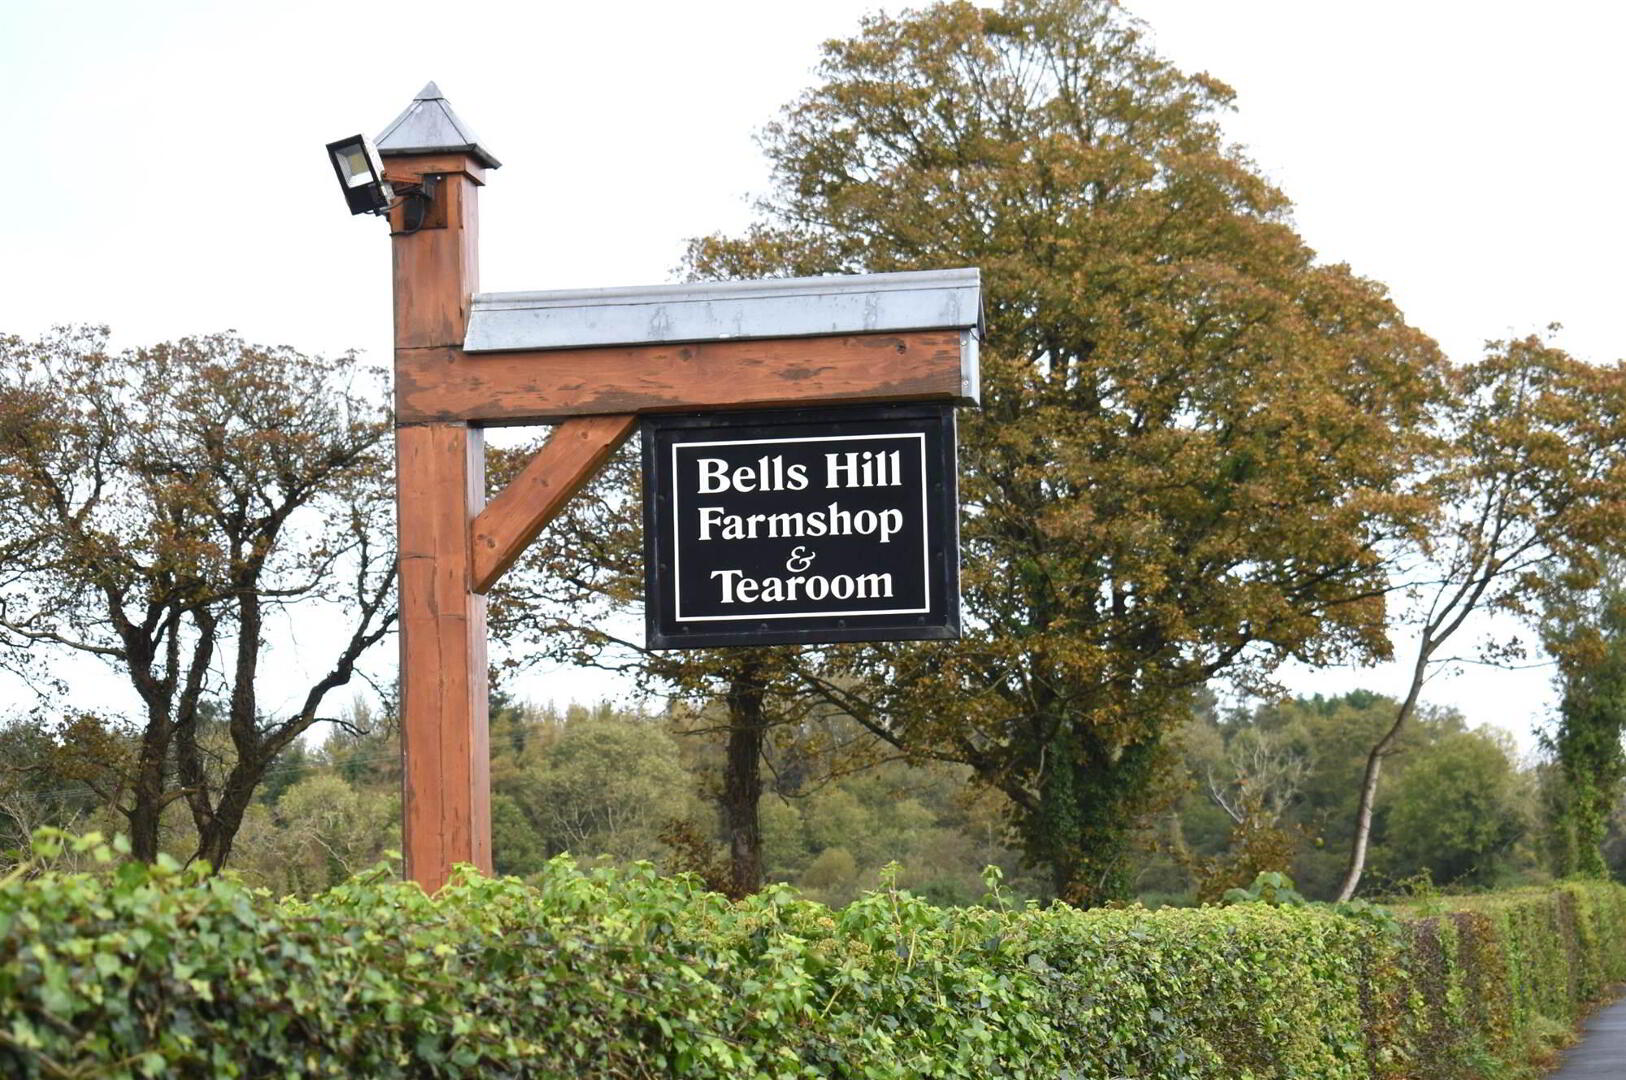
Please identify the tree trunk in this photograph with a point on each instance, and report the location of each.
(1592, 828)
(143, 818)
(147, 802)
(237, 793)
(1374, 766)
(256, 755)
(1363, 818)
(1092, 795)
(742, 778)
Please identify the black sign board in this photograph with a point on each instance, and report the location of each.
(774, 528)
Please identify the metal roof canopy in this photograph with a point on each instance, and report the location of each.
(733, 311)
(429, 126)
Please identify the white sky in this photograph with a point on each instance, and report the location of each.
(166, 173)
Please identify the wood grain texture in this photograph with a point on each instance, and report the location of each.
(440, 483)
(409, 169)
(566, 462)
(444, 384)
(435, 270)
(447, 805)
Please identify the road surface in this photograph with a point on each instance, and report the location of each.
(1601, 1053)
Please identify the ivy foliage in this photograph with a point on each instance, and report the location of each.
(138, 970)
(1586, 633)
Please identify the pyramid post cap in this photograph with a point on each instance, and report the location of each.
(429, 126)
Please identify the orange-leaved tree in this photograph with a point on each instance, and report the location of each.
(163, 507)
(1196, 441)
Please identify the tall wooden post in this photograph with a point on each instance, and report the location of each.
(440, 486)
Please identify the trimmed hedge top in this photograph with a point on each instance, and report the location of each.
(159, 971)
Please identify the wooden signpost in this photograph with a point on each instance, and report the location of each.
(591, 362)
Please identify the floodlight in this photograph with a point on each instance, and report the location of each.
(361, 174)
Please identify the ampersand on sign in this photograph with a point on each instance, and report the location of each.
(800, 559)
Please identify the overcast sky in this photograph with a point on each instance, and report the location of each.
(166, 173)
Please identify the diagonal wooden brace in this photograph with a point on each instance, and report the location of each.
(564, 465)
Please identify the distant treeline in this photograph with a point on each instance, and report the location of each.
(1268, 789)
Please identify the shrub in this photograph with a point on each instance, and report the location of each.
(148, 971)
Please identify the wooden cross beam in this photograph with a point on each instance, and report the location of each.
(537, 386)
(588, 362)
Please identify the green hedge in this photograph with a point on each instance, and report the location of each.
(156, 971)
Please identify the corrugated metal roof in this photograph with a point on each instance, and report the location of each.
(710, 311)
(429, 126)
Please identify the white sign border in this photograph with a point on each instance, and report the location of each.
(925, 540)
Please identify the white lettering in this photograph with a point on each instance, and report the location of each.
(872, 585)
(770, 473)
(841, 470)
(713, 471)
(716, 522)
(728, 577)
(785, 524)
(841, 522)
(736, 588)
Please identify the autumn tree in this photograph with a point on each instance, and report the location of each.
(38, 786)
(164, 506)
(1194, 439)
(1531, 476)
